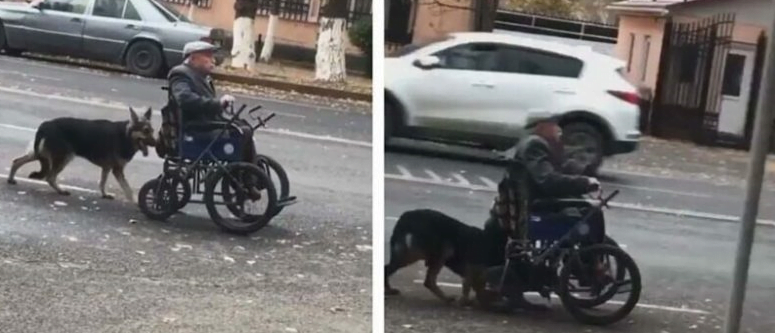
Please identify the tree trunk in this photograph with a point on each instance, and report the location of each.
(191, 5)
(243, 51)
(330, 56)
(266, 50)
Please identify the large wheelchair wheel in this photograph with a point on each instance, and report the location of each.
(270, 167)
(244, 189)
(600, 279)
(596, 297)
(158, 198)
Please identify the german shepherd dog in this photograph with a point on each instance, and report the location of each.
(108, 144)
(441, 241)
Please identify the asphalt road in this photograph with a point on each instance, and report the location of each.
(85, 264)
(686, 263)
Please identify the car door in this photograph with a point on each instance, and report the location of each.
(531, 82)
(449, 97)
(110, 26)
(57, 27)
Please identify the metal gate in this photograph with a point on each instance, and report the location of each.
(399, 23)
(686, 104)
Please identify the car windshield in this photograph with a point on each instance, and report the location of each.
(411, 48)
(169, 12)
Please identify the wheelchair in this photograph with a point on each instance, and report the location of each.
(561, 259)
(208, 161)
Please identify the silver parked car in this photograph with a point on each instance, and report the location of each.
(146, 36)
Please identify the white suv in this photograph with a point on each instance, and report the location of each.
(481, 88)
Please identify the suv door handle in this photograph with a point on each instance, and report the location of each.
(76, 19)
(565, 91)
(131, 26)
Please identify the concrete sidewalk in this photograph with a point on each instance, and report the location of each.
(675, 159)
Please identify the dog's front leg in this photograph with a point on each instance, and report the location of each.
(467, 281)
(434, 268)
(119, 174)
(103, 180)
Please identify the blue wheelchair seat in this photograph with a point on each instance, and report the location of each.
(549, 228)
(226, 148)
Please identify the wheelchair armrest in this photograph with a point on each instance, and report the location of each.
(557, 204)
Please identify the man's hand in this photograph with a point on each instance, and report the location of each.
(594, 184)
(227, 100)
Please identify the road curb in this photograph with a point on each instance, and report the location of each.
(229, 77)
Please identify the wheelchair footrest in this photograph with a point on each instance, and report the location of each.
(282, 202)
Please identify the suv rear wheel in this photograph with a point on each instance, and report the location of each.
(584, 143)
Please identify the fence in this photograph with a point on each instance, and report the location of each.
(555, 26)
(198, 3)
(294, 10)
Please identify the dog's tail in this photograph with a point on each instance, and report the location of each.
(37, 147)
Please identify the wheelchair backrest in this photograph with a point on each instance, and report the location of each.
(170, 132)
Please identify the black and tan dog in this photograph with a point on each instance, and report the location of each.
(108, 144)
(441, 241)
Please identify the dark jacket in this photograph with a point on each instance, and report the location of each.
(194, 93)
(535, 173)
(548, 175)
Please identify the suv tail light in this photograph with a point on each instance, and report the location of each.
(626, 96)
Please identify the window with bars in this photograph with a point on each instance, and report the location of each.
(358, 9)
(295, 10)
(198, 3)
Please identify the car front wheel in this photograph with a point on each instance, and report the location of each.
(145, 59)
(584, 144)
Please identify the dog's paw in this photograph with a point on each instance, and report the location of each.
(392, 292)
(64, 192)
(465, 302)
(450, 299)
(11, 181)
(108, 196)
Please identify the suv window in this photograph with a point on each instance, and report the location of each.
(67, 6)
(525, 61)
(109, 8)
(471, 56)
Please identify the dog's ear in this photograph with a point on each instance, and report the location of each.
(147, 114)
(133, 115)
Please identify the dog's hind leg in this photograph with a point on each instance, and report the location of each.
(402, 254)
(58, 164)
(18, 163)
(103, 180)
(118, 172)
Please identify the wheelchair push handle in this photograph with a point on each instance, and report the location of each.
(604, 201)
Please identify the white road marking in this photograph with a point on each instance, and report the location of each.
(19, 128)
(622, 205)
(488, 182)
(640, 305)
(404, 171)
(30, 75)
(119, 106)
(40, 182)
(433, 175)
(461, 180)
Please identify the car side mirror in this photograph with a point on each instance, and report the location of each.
(427, 62)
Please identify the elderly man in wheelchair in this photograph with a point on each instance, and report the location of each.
(192, 98)
(538, 184)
